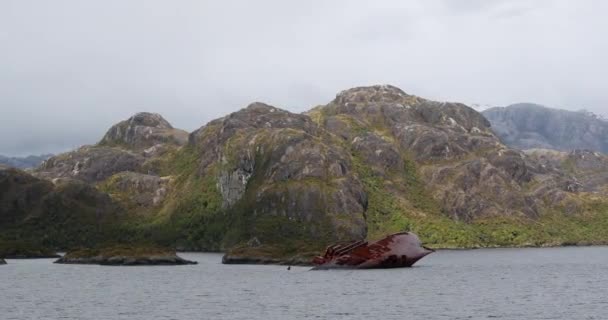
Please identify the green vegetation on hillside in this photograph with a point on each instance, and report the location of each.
(12, 249)
(267, 182)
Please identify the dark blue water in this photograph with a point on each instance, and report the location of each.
(550, 283)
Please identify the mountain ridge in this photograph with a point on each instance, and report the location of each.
(270, 183)
(528, 126)
(26, 162)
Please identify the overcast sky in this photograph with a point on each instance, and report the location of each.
(70, 69)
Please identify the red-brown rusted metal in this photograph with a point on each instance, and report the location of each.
(393, 251)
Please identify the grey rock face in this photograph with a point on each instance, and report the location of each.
(144, 130)
(430, 130)
(463, 164)
(90, 164)
(529, 126)
(381, 155)
(143, 189)
(127, 260)
(288, 165)
(297, 172)
(131, 153)
(588, 170)
(232, 184)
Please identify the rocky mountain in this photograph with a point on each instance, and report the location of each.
(23, 162)
(131, 145)
(144, 131)
(529, 126)
(265, 182)
(372, 161)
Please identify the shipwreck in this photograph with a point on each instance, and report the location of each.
(397, 250)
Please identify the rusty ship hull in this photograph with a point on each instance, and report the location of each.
(398, 250)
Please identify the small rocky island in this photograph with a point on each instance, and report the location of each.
(124, 256)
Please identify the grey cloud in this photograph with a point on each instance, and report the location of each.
(69, 68)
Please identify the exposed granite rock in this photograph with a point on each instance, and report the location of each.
(531, 126)
(90, 164)
(381, 155)
(141, 189)
(298, 172)
(142, 131)
(233, 183)
(133, 145)
(256, 117)
(462, 163)
(477, 188)
(430, 130)
(587, 170)
(124, 256)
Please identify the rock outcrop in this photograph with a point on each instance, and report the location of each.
(127, 163)
(90, 164)
(531, 126)
(142, 131)
(269, 163)
(430, 130)
(138, 189)
(124, 256)
(588, 169)
(462, 164)
(133, 145)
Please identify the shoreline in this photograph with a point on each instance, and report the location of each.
(245, 259)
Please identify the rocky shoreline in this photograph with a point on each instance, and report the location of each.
(124, 257)
(128, 261)
(245, 259)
